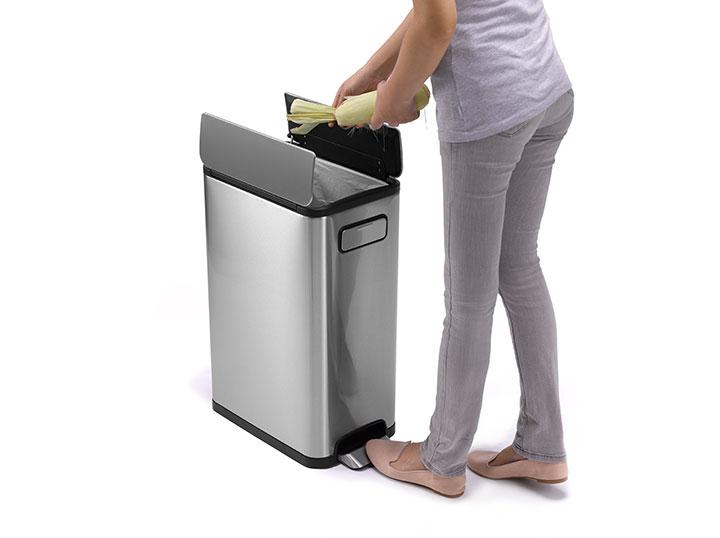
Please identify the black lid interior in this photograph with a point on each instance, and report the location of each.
(375, 153)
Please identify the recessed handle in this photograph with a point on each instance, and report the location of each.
(362, 233)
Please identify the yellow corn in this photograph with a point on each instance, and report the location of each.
(355, 110)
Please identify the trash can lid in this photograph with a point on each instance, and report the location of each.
(274, 166)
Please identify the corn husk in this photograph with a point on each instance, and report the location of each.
(355, 110)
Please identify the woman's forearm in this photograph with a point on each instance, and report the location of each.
(425, 41)
(383, 61)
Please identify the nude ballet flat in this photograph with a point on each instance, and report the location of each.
(383, 453)
(481, 462)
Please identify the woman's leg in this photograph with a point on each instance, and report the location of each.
(525, 295)
(476, 176)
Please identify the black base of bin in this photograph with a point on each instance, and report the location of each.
(313, 463)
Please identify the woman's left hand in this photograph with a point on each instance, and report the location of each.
(389, 109)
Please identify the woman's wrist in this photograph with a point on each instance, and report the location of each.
(373, 73)
(396, 91)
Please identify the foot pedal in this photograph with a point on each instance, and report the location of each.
(356, 459)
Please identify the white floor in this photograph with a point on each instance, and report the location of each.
(123, 442)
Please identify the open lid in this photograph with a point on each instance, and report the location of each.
(274, 166)
(375, 153)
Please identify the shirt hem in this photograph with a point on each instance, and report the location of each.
(451, 137)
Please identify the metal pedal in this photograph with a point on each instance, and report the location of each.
(356, 459)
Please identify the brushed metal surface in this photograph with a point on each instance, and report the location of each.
(270, 164)
(361, 322)
(265, 276)
(302, 335)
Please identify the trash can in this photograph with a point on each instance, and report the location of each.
(302, 252)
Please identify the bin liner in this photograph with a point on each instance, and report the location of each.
(332, 182)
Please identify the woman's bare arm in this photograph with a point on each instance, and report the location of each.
(377, 68)
(426, 39)
(383, 61)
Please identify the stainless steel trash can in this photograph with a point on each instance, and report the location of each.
(302, 248)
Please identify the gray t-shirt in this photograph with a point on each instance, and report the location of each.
(500, 69)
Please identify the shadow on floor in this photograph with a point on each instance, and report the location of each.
(201, 384)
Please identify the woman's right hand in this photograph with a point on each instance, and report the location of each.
(361, 82)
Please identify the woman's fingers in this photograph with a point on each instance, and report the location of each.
(339, 96)
(334, 104)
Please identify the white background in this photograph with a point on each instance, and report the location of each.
(106, 423)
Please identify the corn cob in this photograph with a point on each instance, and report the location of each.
(355, 110)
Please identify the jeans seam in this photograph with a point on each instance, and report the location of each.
(445, 474)
(518, 448)
(447, 342)
(515, 348)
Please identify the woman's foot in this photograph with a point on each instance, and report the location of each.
(510, 464)
(401, 461)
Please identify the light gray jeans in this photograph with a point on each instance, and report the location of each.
(494, 193)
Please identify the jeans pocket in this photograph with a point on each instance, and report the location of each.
(512, 131)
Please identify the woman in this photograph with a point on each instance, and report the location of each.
(504, 103)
